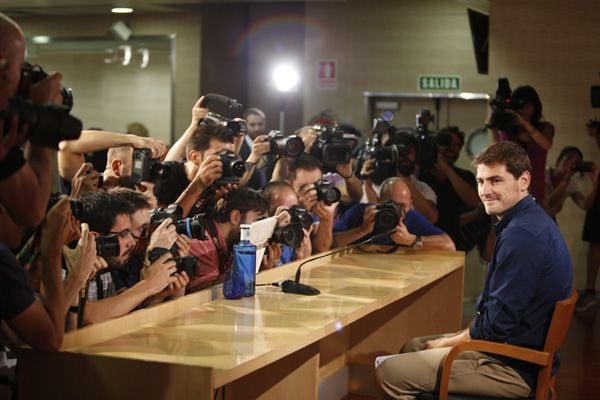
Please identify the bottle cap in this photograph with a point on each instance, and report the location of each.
(245, 232)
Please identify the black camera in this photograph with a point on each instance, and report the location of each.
(583, 166)
(326, 192)
(291, 235)
(108, 246)
(501, 119)
(173, 211)
(31, 74)
(193, 227)
(386, 159)
(301, 216)
(233, 167)
(145, 168)
(77, 207)
(333, 146)
(387, 215)
(289, 146)
(189, 264)
(229, 128)
(48, 124)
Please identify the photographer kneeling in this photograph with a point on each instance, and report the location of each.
(411, 229)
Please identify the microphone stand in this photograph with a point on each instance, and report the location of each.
(295, 287)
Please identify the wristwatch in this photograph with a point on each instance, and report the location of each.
(418, 243)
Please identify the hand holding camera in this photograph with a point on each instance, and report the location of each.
(368, 224)
(86, 179)
(165, 235)
(158, 274)
(210, 170)
(260, 147)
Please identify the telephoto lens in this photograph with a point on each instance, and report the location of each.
(233, 166)
(108, 246)
(288, 146)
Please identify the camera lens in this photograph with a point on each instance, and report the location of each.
(191, 227)
(291, 235)
(386, 219)
(108, 246)
(77, 209)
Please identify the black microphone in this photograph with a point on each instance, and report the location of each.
(219, 98)
(296, 287)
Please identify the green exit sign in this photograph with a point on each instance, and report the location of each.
(439, 82)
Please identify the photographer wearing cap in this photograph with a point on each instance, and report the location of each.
(411, 229)
(239, 206)
(108, 214)
(23, 174)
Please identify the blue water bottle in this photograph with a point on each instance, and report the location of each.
(244, 258)
(233, 285)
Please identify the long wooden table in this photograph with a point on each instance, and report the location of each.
(270, 346)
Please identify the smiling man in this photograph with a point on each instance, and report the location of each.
(529, 272)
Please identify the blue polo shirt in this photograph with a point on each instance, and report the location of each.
(415, 222)
(529, 272)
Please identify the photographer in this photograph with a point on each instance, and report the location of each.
(38, 322)
(303, 173)
(256, 127)
(412, 229)
(71, 155)
(147, 238)
(281, 196)
(456, 190)
(190, 179)
(107, 214)
(239, 206)
(525, 128)
(424, 197)
(23, 174)
(591, 231)
(561, 181)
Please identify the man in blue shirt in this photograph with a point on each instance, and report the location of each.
(414, 230)
(529, 272)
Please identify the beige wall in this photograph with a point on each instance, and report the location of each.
(553, 46)
(382, 46)
(186, 27)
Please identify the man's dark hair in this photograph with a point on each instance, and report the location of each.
(568, 150)
(455, 130)
(138, 200)
(527, 94)
(511, 154)
(203, 134)
(242, 199)
(102, 209)
(269, 188)
(306, 162)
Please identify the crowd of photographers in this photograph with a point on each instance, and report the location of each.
(160, 222)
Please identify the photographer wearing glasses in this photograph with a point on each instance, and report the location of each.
(109, 215)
